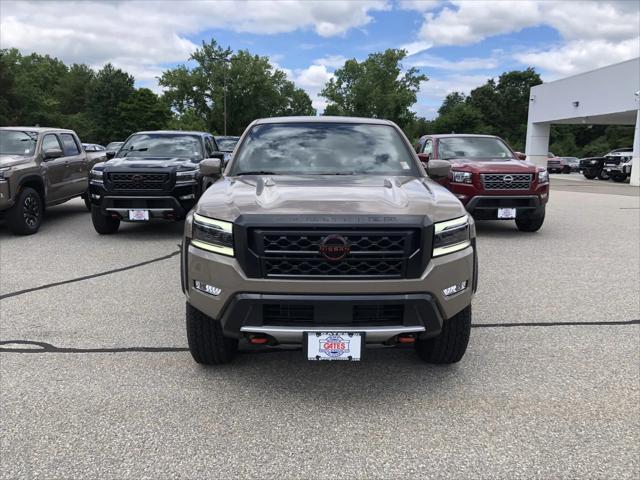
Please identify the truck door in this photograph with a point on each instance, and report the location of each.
(54, 163)
(77, 176)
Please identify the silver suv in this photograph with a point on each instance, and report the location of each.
(327, 232)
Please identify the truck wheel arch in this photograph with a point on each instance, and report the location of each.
(36, 183)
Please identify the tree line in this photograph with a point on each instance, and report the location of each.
(230, 89)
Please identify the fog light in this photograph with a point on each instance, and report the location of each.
(457, 288)
(206, 288)
(95, 197)
(187, 197)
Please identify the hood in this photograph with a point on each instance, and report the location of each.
(11, 160)
(497, 165)
(144, 163)
(230, 197)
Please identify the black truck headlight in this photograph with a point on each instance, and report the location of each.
(451, 236)
(212, 235)
(186, 176)
(96, 175)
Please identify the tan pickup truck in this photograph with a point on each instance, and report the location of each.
(40, 167)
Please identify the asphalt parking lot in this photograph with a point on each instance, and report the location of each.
(96, 383)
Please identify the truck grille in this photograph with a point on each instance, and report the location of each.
(371, 254)
(612, 160)
(138, 181)
(506, 181)
(301, 315)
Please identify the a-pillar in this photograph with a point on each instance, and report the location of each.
(537, 147)
(635, 166)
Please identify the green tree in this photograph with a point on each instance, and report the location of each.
(111, 87)
(249, 84)
(376, 87)
(451, 101)
(143, 110)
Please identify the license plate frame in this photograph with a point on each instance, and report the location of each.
(139, 215)
(313, 351)
(506, 213)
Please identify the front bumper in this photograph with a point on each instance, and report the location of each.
(485, 207)
(174, 205)
(239, 304)
(246, 314)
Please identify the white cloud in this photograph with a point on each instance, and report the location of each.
(580, 56)
(595, 33)
(144, 35)
(433, 91)
(333, 61)
(313, 79)
(432, 61)
(420, 5)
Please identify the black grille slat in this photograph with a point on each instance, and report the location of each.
(519, 181)
(138, 181)
(276, 314)
(373, 254)
(393, 314)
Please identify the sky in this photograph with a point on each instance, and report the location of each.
(458, 44)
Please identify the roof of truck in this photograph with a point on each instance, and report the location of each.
(37, 129)
(374, 121)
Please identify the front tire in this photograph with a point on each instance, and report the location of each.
(207, 343)
(451, 345)
(566, 169)
(25, 216)
(589, 175)
(527, 221)
(87, 202)
(618, 177)
(103, 224)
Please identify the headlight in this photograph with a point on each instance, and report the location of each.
(3, 172)
(96, 175)
(212, 235)
(461, 177)
(593, 162)
(451, 236)
(186, 176)
(543, 176)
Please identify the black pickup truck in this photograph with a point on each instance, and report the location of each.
(154, 175)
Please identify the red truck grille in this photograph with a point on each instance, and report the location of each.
(506, 181)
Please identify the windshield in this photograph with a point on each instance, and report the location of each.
(227, 144)
(472, 148)
(16, 142)
(114, 145)
(162, 146)
(323, 148)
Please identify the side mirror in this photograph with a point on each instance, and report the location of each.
(110, 154)
(520, 156)
(438, 169)
(211, 167)
(53, 153)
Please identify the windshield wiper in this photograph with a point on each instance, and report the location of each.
(255, 172)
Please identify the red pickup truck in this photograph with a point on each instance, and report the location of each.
(490, 179)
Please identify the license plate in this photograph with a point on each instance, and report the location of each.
(506, 213)
(334, 346)
(138, 215)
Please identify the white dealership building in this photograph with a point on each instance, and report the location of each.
(606, 96)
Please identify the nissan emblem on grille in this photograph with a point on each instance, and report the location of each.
(137, 180)
(334, 248)
(507, 179)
